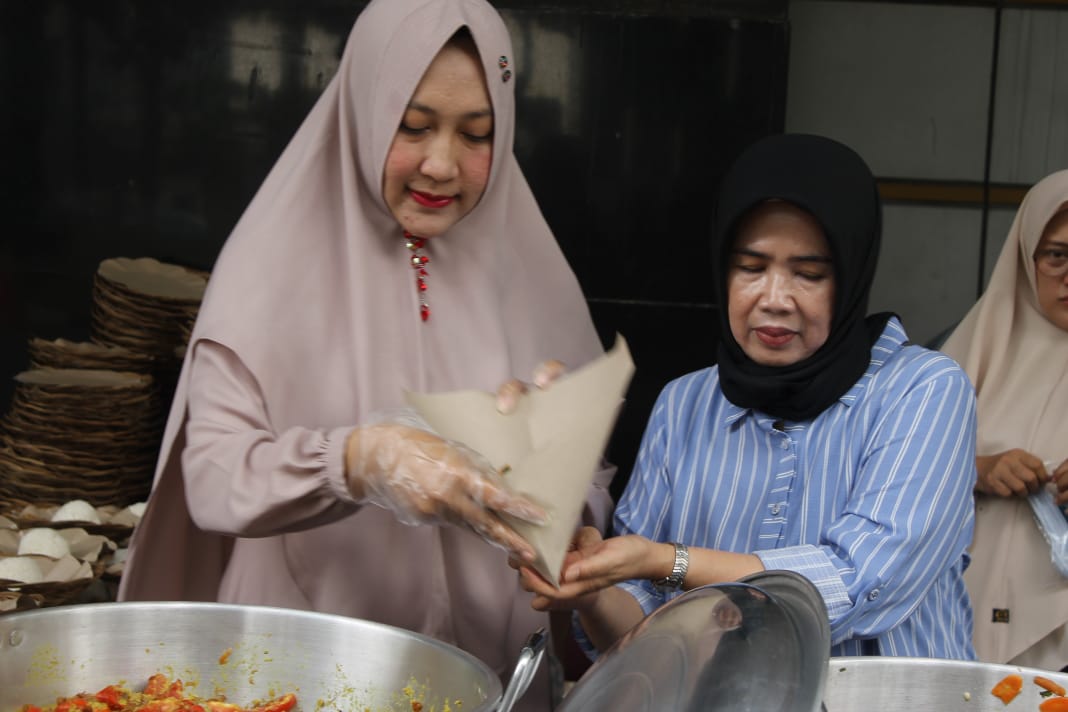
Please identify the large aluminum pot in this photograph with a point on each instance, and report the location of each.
(341, 663)
(759, 645)
(860, 684)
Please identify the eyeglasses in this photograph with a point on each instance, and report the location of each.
(1052, 262)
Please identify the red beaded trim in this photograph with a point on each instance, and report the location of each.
(419, 263)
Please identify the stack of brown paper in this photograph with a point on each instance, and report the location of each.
(549, 447)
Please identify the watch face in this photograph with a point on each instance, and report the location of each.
(671, 583)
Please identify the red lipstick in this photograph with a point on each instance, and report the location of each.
(428, 200)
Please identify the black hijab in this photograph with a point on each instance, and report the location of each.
(833, 184)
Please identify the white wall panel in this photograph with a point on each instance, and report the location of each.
(928, 266)
(998, 223)
(905, 85)
(1031, 101)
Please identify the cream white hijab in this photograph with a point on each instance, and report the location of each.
(1018, 361)
(315, 294)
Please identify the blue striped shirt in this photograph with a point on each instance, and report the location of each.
(871, 500)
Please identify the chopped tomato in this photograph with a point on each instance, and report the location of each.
(160, 686)
(160, 694)
(157, 685)
(279, 704)
(1007, 689)
(163, 704)
(73, 704)
(113, 696)
(1054, 704)
(217, 706)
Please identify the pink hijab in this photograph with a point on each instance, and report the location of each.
(314, 293)
(1018, 361)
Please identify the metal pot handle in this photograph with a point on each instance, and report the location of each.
(529, 658)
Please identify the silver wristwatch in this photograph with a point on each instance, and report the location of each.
(678, 571)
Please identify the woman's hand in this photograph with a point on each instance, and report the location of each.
(590, 569)
(1059, 476)
(1013, 473)
(593, 564)
(544, 375)
(586, 542)
(424, 479)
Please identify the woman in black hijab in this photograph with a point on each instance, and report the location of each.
(822, 442)
(832, 183)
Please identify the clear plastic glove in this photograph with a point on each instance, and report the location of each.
(1052, 520)
(400, 465)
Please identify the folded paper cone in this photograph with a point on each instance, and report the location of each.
(551, 444)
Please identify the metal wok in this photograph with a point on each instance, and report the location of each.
(759, 645)
(330, 661)
(926, 685)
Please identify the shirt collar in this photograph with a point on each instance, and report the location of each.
(892, 340)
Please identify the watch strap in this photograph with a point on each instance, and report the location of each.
(674, 581)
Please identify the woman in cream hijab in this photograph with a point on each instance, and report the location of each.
(394, 246)
(1014, 346)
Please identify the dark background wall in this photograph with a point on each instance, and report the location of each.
(143, 129)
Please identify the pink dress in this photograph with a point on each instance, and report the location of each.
(311, 324)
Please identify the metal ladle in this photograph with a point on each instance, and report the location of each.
(527, 664)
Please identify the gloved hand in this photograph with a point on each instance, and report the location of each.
(399, 464)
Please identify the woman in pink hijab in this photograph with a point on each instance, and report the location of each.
(394, 246)
(1014, 346)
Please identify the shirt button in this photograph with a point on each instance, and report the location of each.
(873, 595)
(775, 509)
(785, 444)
